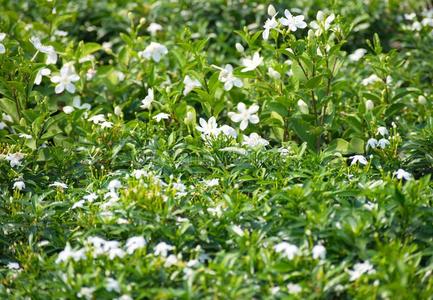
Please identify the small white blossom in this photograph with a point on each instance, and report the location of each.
(19, 185)
(293, 22)
(370, 80)
(371, 143)
(359, 269)
(319, 252)
(294, 288)
(209, 128)
(273, 73)
(402, 174)
(229, 131)
(382, 131)
(58, 184)
(161, 116)
(14, 159)
(86, 292)
(245, 115)
(286, 249)
(226, 76)
(383, 143)
(153, 28)
(190, 84)
(269, 24)
(41, 72)
(13, 266)
(251, 63)
(254, 141)
(154, 51)
(358, 159)
(48, 50)
(112, 285)
(357, 54)
(135, 243)
(66, 79)
(322, 24)
(2, 47)
(162, 249)
(146, 103)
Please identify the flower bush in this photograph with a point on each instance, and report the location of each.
(216, 149)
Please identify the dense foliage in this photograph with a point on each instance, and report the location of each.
(216, 149)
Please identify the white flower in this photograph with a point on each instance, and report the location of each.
(68, 109)
(2, 47)
(216, 211)
(111, 285)
(239, 48)
(49, 50)
(358, 54)
(211, 182)
(106, 124)
(370, 80)
(382, 131)
(161, 116)
(251, 63)
(78, 204)
(41, 72)
(139, 173)
(147, 101)
(25, 136)
(293, 22)
(114, 185)
(153, 28)
(319, 252)
(287, 249)
(14, 159)
(382, 143)
(124, 297)
(65, 79)
(369, 105)
(359, 269)
(402, 174)
(7, 118)
(209, 128)
(254, 141)
(271, 10)
(170, 261)
(162, 249)
(358, 159)
(273, 74)
(269, 24)
(229, 131)
(372, 142)
(19, 185)
(238, 230)
(321, 24)
(190, 84)
(154, 51)
(135, 243)
(13, 266)
(86, 292)
(97, 119)
(68, 253)
(303, 107)
(58, 184)
(294, 288)
(245, 115)
(226, 76)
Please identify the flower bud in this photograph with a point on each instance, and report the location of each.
(117, 111)
(239, 48)
(422, 100)
(303, 107)
(369, 105)
(271, 10)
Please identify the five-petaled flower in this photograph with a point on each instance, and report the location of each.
(251, 63)
(358, 159)
(154, 51)
(146, 103)
(293, 22)
(226, 76)
(245, 115)
(66, 79)
(269, 24)
(402, 174)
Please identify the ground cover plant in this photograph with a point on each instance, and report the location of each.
(216, 149)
